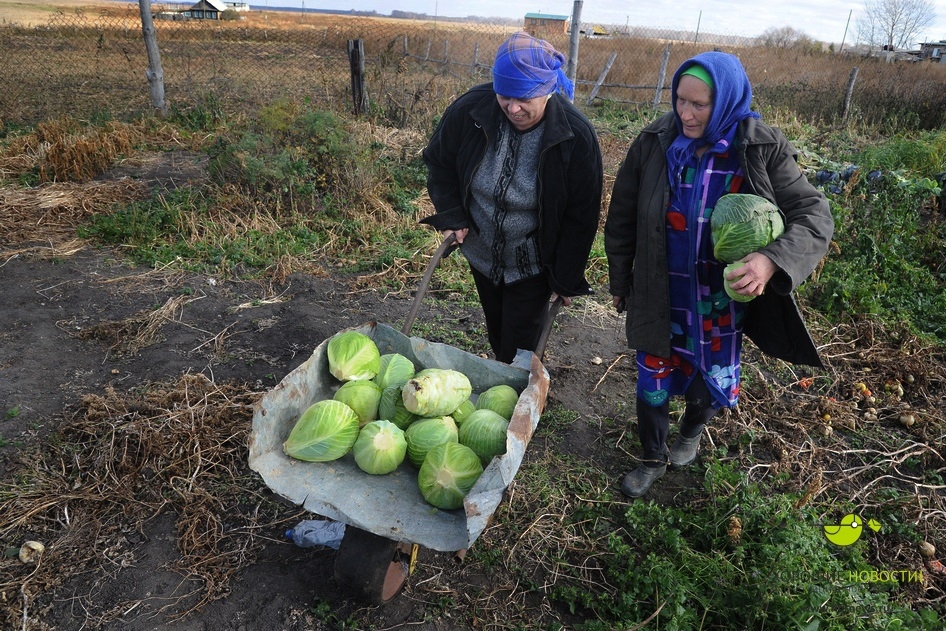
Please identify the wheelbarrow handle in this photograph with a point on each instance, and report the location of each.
(449, 242)
(554, 308)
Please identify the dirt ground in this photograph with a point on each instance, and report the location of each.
(68, 320)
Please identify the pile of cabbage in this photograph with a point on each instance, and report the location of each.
(386, 412)
(739, 225)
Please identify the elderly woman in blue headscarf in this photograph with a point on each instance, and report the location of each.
(686, 330)
(515, 173)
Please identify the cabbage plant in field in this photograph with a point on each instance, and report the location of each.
(436, 392)
(362, 396)
(425, 434)
(484, 432)
(380, 447)
(353, 356)
(501, 399)
(325, 431)
(447, 474)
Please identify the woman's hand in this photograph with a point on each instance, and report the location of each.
(753, 275)
(566, 301)
(461, 234)
(619, 303)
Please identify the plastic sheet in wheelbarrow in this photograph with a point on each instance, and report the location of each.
(391, 505)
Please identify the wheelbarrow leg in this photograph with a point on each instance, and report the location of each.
(371, 567)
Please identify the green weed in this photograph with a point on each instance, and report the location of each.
(204, 114)
(743, 558)
(889, 233)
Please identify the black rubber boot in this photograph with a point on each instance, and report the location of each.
(639, 481)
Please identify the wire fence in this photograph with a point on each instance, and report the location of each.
(89, 64)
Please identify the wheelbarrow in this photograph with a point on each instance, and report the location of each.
(386, 518)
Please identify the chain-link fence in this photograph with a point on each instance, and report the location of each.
(87, 64)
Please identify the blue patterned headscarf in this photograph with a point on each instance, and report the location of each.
(732, 97)
(526, 67)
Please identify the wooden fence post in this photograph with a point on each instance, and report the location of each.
(476, 54)
(356, 57)
(571, 70)
(847, 95)
(601, 78)
(663, 75)
(154, 73)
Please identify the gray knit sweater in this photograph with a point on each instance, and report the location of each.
(505, 208)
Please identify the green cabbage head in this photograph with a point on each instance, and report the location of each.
(353, 356)
(391, 408)
(436, 392)
(380, 447)
(425, 434)
(325, 431)
(501, 399)
(362, 396)
(447, 475)
(484, 432)
(461, 413)
(741, 224)
(395, 370)
(729, 290)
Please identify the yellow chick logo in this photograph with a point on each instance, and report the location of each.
(849, 530)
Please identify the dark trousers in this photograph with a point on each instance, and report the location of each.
(653, 423)
(515, 314)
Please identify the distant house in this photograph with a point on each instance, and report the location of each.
(595, 30)
(205, 10)
(541, 24)
(934, 51)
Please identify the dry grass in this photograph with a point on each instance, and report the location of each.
(127, 337)
(88, 59)
(840, 438)
(43, 220)
(122, 459)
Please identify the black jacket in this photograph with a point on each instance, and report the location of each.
(635, 240)
(570, 179)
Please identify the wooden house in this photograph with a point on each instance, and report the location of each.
(933, 51)
(205, 10)
(544, 24)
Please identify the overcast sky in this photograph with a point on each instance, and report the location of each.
(824, 20)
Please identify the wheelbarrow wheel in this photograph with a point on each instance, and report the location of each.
(372, 568)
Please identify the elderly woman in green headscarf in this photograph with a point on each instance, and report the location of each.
(515, 172)
(686, 329)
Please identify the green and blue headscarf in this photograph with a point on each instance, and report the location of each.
(526, 67)
(732, 98)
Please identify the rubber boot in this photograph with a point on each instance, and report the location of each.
(639, 481)
(684, 450)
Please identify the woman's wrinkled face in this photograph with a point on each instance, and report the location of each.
(694, 105)
(523, 113)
